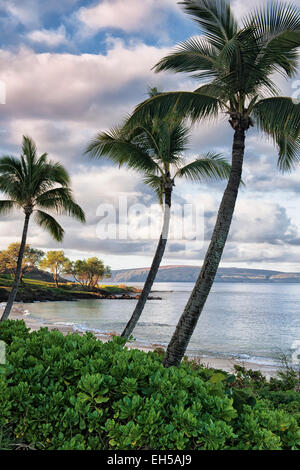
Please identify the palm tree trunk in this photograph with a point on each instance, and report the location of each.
(188, 320)
(154, 268)
(15, 285)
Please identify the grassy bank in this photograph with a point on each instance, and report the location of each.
(75, 392)
(31, 290)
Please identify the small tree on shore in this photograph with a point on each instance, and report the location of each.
(9, 259)
(57, 263)
(88, 273)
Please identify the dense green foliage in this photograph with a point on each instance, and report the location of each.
(88, 272)
(9, 259)
(75, 392)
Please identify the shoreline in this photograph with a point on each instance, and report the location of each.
(215, 362)
(33, 294)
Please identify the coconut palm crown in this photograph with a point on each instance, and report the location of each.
(237, 64)
(36, 185)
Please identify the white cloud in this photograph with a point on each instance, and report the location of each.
(50, 37)
(269, 222)
(68, 85)
(59, 98)
(132, 15)
(242, 8)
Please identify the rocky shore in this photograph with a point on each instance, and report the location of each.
(34, 294)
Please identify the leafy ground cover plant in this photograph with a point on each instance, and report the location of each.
(75, 392)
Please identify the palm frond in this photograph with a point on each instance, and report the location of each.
(195, 55)
(215, 18)
(279, 117)
(70, 207)
(179, 137)
(207, 167)
(115, 146)
(282, 51)
(156, 183)
(278, 25)
(11, 177)
(7, 206)
(56, 173)
(274, 19)
(217, 89)
(246, 73)
(11, 165)
(183, 103)
(53, 198)
(45, 175)
(29, 149)
(171, 136)
(61, 201)
(289, 153)
(48, 223)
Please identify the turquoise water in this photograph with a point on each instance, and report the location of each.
(249, 321)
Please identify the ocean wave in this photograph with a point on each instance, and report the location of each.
(241, 357)
(84, 329)
(153, 324)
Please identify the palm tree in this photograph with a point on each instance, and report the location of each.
(238, 64)
(33, 183)
(154, 148)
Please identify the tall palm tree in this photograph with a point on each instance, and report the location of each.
(154, 147)
(34, 183)
(238, 63)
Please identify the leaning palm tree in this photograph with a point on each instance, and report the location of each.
(34, 183)
(154, 147)
(237, 63)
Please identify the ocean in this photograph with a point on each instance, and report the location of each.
(251, 322)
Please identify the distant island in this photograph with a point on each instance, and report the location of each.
(190, 274)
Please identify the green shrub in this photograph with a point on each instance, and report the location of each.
(75, 392)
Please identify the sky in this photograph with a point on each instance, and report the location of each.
(72, 68)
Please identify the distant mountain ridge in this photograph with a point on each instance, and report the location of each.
(190, 274)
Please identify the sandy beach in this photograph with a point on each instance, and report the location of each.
(224, 363)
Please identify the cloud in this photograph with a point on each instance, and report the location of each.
(129, 16)
(30, 13)
(25, 12)
(68, 85)
(269, 223)
(58, 98)
(241, 8)
(50, 37)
